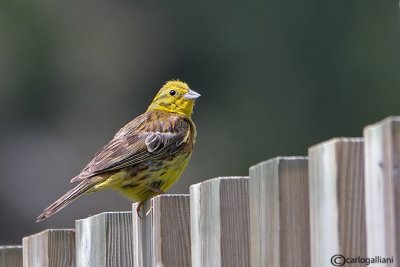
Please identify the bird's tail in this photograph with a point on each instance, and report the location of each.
(71, 195)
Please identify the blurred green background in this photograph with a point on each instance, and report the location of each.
(276, 77)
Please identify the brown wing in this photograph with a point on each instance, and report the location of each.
(154, 139)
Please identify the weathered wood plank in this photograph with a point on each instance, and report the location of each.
(279, 213)
(50, 248)
(104, 240)
(162, 238)
(11, 256)
(382, 188)
(139, 240)
(219, 211)
(337, 211)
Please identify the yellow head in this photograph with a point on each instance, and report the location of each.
(176, 97)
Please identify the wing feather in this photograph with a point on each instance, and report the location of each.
(134, 146)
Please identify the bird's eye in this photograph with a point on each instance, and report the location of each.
(172, 92)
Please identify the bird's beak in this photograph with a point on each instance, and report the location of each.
(191, 95)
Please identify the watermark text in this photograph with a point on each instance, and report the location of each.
(340, 260)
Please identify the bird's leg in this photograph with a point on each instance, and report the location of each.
(152, 188)
(139, 208)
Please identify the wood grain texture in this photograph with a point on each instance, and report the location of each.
(11, 256)
(105, 240)
(163, 236)
(279, 213)
(219, 211)
(139, 241)
(382, 187)
(337, 211)
(50, 248)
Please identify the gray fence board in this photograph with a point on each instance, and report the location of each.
(11, 256)
(337, 212)
(382, 187)
(50, 248)
(105, 240)
(162, 237)
(219, 211)
(279, 213)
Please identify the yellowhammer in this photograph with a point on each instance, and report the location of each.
(146, 156)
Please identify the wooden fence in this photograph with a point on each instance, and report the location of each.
(338, 206)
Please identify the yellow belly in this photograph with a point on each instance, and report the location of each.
(138, 187)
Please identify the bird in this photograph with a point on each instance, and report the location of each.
(146, 156)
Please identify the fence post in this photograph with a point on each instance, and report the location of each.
(219, 211)
(11, 256)
(162, 237)
(50, 248)
(279, 213)
(382, 188)
(337, 211)
(104, 240)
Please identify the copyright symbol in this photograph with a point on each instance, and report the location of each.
(338, 260)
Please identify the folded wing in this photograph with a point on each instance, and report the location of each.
(133, 148)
